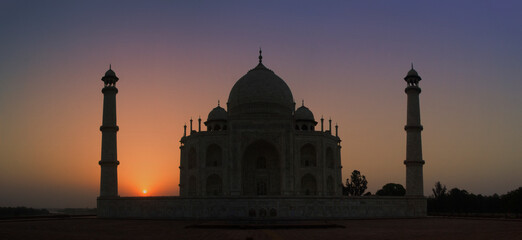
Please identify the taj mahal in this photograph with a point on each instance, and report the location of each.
(261, 158)
(261, 146)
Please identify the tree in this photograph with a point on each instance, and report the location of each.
(21, 211)
(356, 184)
(512, 201)
(458, 201)
(439, 190)
(391, 189)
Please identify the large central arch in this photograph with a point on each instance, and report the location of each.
(261, 171)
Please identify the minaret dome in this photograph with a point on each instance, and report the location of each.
(412, 78)
(110, 78)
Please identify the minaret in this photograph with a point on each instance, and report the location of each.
(413, 162)
(109, 157)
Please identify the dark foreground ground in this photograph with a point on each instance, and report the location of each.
(425, 228)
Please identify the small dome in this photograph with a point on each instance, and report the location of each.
(110, 77)
(303, 113)
(412, 73)
(110, 73)
(218, 113)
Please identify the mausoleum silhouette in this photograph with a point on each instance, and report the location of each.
(260, 159)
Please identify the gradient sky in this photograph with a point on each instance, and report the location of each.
(175, 60)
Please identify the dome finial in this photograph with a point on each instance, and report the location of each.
(110, 66)
(260, 56)
(411, 65)
(302, 102)
(218, 102)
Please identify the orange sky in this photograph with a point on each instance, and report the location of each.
(176, 61)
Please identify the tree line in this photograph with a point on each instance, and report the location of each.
(21, 211)
(461, 201)
(454, 201)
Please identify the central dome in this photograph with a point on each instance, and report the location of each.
(261, 91)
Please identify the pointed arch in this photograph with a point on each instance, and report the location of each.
(308, 156)
(329, 158)
(330, 187)
(261, 170)
(308, 185)
(261, 188)
(192, 158)
(214, 185)
(214, 156)
(261, 162)
(192, 186)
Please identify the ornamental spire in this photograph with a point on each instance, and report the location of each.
(260, 55)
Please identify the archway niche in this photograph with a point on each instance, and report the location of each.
(214, 156)
(329, 158)
(261, 162)
(214, 185)
(192, 158)
(261, 169)
(308, 185)
(261, 188)
(251, 212)
(308, 156)
(192, 188)
(330, 190)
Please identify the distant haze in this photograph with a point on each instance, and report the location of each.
(175, 60)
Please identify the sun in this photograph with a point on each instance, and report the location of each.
(144, 191)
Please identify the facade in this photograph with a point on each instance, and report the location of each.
(261, 146)
(260, 159)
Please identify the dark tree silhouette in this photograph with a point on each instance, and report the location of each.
(391, 189)
(439, 190)
(356, 184)
(512, 201)
(21, 211)
(461, 202)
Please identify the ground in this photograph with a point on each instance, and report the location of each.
(424, 228)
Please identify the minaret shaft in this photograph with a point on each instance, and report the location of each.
(109, 106)
(413, 162)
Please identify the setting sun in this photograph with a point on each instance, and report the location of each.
(144, 191)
